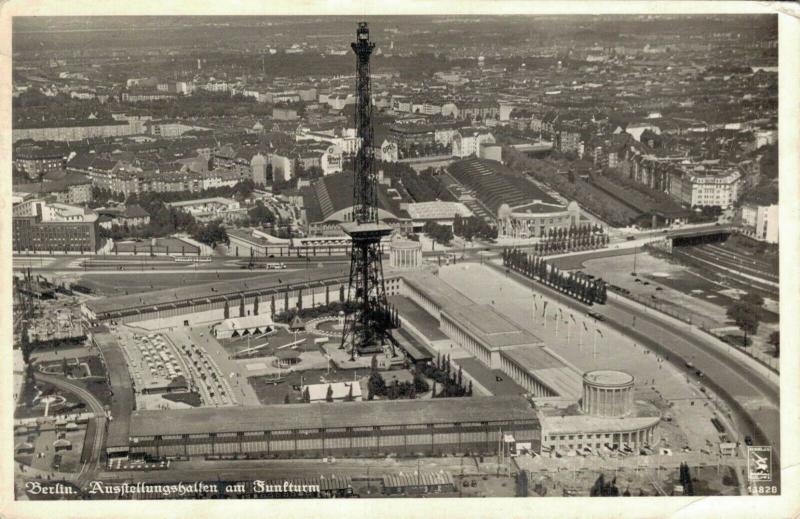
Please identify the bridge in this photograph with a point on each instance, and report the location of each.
(699, 235)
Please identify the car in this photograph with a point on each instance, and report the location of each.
(637, 280)
(645, 283)
(630, 238)
(748, 440)
(659, 288)
(699, 373)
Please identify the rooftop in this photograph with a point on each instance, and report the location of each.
(596, 424)
(608, 378)
(494, 380)
(548, 368)
(230, 289)
(437, 210)
(215, 200)
(491, 327)
(495, 184)
(327, 415)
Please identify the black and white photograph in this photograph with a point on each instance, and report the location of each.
(369, 256)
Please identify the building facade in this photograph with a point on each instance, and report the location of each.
(607, 393)
(536, 219)
(352, 429)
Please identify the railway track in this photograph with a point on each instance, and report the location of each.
(90, 466)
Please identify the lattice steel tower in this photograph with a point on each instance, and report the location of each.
(367, 327)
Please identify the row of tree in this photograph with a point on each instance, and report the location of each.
(377, 386)
(473, 227)
(452, 382)
(584, 289)
(551, 245)
(165, 221)
(442, 234)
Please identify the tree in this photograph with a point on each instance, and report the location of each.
(349, 397)
(753, 299)
(306, 395)
(775, 341)
(433, 390)
(25, 343)
(255, 306)
(329, 394)
(286, 399)
(522, 483)
(603, 489)
(376, 384)
(272, 306)
(226, 311)
(746, 316)
(241, 306)
(341, 293)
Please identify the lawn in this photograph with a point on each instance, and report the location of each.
(274, 340)
(72, 403)
(272, 393)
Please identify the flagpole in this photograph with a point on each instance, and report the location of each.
(567, 334)
(557, 319)
(544, 314)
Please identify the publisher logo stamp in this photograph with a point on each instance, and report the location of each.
(759, 463)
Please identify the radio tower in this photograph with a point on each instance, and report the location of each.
(366, 327)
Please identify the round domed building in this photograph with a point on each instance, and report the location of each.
(607, 393)
(405, 254)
